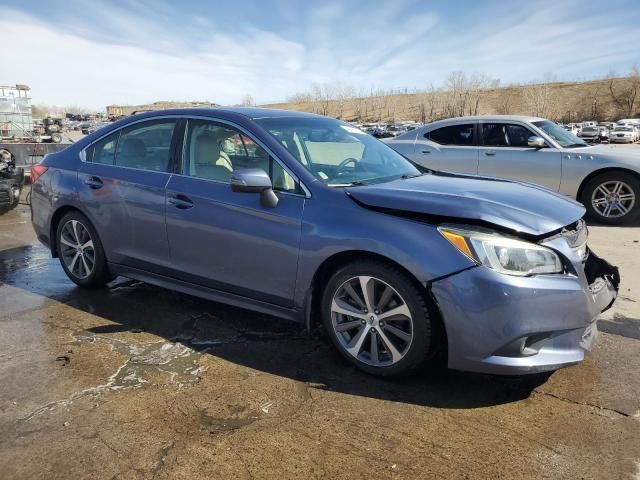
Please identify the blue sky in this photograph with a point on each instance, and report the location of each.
(95, 53)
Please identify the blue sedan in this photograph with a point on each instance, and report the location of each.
(310, 219)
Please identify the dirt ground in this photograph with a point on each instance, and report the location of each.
(136, 382)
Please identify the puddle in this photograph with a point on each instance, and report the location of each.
(216, 425)
(179, 361)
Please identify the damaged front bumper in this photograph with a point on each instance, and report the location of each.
(503, 324)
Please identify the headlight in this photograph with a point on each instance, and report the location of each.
(503, 254)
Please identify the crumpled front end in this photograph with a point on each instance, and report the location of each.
(504, 324)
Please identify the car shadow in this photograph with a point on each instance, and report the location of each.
(254, 340)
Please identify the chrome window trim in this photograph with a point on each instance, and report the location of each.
(83, 157)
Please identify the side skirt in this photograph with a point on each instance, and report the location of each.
(207, 293)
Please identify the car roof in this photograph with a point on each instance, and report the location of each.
(252, 113)
(485, 118)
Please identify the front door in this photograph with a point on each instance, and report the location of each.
(227, 240)
(505, 153)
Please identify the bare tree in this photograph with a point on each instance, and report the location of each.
(247, 100)
(624, 92)
(541, 98)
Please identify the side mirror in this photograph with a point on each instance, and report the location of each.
(254, 180)
(536, 142)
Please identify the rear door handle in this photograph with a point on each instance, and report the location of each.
(94, 182)
(426, 151)
(489, 154)
(180, 201)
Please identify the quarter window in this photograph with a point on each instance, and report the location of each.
(213, 151)
(104, 150)
(452, 135)
(146, 146)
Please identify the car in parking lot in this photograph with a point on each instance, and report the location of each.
(320, 222)
(604, 179)
(624, 134)
(11, 181)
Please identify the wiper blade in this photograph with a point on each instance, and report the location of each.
(576, 145)
(357, 183)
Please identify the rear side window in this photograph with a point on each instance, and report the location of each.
(452, 135)
(104, 151)
(146, 146)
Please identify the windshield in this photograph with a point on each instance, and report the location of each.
(562, 137)
(622, 129)
(336, 153)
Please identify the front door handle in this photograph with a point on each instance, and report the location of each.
(180, 201)
(94, 182)
(426, 151)
(489, 154)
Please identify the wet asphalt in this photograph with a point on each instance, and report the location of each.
(136, 381)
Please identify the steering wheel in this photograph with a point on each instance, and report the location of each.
(344, 163)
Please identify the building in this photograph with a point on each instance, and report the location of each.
(15, 111)
(120, 110)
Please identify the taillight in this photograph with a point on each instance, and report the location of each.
(37, 171)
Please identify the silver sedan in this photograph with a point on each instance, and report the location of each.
(605, 179)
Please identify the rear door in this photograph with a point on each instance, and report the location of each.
(505, 153)
(451, 148)
(227, 240)
(122, 186)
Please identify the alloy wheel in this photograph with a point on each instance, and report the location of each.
(613, 199)
(371, 321)
(77, 251)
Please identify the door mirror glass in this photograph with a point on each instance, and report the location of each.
(254, 180)
(536, 142)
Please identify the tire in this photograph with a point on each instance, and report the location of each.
(71, 226)
(56, 138)
(409, 351)
(617, 207)
(16, 192)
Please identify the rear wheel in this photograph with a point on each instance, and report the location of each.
(613, 198)
(80, 251)
(377, 318)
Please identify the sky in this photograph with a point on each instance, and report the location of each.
(96, 53)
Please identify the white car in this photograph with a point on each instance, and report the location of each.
(606, 180)
(623, 135)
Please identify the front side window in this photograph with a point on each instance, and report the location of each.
(337, 154)
(213, 151)
(461, 135)
(146, 145)
(506, 135)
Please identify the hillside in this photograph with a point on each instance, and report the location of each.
(559, 101)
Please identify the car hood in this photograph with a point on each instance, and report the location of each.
(607, 154)
(516, 206)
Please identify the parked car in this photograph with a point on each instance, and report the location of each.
(572, 128)
(590, 134)
(597, 134)
(322, 222)
(605, 180)
(11, 181)
(627, 134)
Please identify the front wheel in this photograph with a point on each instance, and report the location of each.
(377, 318)
(80, 251)
(613, 198)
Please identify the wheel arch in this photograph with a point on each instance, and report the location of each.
(600, 171)
(331, 264)
(53, 228)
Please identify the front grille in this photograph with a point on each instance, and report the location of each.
(4, 197)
